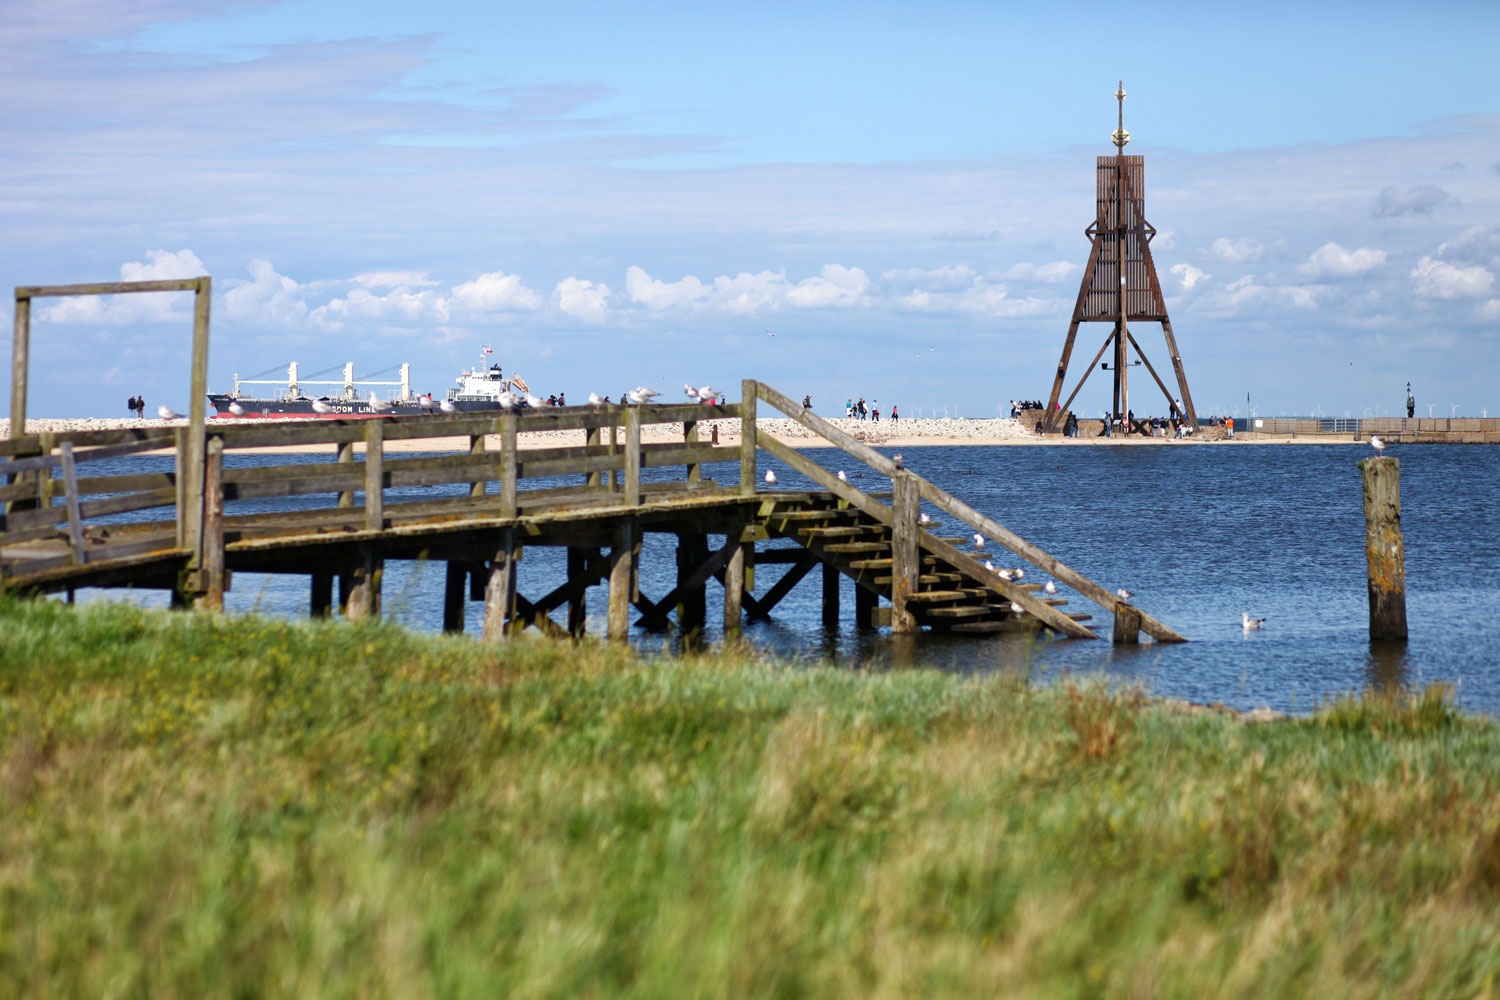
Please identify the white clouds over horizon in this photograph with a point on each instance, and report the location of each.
(1332, 260)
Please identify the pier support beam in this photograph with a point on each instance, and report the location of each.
(322, 594)
(865, 603)
(737, 572)
(577, 606)
(1385, 551)
(500, 590)
(906, 550)
(692, 601)
(359, 587)
(830, 595)
(454, 586)
(1127, 625)
(622, 577)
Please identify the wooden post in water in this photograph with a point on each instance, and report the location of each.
(577, 608)
(906, 550)
(500, 590)
(622, 579)
(1127, 625)
(1385, 552)
(734, 582)
(830, 595)
(692, 602)
(454, 584)
(359, 587)
(865, 603)
(322, 594)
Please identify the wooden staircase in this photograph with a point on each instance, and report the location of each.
(950, 596)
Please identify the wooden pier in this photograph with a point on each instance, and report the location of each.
(62, 531)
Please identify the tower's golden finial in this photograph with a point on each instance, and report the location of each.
(1121, 137)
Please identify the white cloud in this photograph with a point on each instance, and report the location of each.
(1058, 270)
(1475, 245)
(134, 307)
(655, 294)
(838, 286)
(1437, 279)
(748, 293)
(494, 291)
(1234, 251)
(1188, 275)
(1332, 260)
(268, 298)
(1489, 310)
(394, 279)
(1419, 199)
(400, 305)
(583, 299)
(952, 277)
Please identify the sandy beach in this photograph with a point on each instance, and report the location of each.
(905, 433)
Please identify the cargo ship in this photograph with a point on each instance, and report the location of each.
(479, 388)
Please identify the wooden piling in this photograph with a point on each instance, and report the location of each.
(1385, 551)
(359, 586)
(346, 457)
(577, 608)
(865, 603)
(500, 590)
(692, 601)
(374, 474)
(455, 584)
(734, 585)
(476, 449)
(1127, 625)
(622, 558)
(212, 560)
(906, 552)
(748, 395)
(321, 598)
(830, 595)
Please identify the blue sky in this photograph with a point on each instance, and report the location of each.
(616, 194)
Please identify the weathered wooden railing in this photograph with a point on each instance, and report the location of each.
(903, 516)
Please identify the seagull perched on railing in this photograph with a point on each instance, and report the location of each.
(166, 414)
(843, 478)
(1377, 444)
(645, 392)
(924, 519)
(1016, 608)
(770, 477)
(1250, 623)
(689, 391)
(595, 399)
(1003, 574)
(534, 402)
(1122, 592)
(448, 406)
(377, 404)
(706, 393)
(1019, 573)
(321, 407)
(236, 409)
(507, 400)
(1051, 587)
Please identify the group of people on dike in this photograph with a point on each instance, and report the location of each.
(1175, 426)
(1025, 404)
(136, 406)
(858, 411)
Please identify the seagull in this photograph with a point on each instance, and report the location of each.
(897, 460)
(1122, 592)
(989, 566)
(595, 399)
(706, 392)
(1016, 608)
(1019, 572)
(978, 541)
(447, 406)
(645, 392)
(689, 391)
(377, 404)
(1004, 574)
(166, 414)
(1250, 623)
(843, 478)
(534, 402)
(1051, 587)
(1377, 444)
(769, 332)
(770, 477)
(507, 400)
(321, 407)
(237, 409)
(924, 519)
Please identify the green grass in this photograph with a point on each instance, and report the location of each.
(194, 806)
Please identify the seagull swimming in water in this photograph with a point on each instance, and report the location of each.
(1050, 588)
(1250, 623)
(166, 414)
(237, 409)
(770, 477)
(1377, 444)
(448, 406)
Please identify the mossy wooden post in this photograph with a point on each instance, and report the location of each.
(830, 595)
(906, 554)
(455, 585)
(374, 474)
(633, 456)
(592, 437)
(749, 390)
(359, 586)
(622, 577)
(196, 436)
(346, 457)
(1127, 625)
(500, 588)
(476, 448)
(212, 559)
(1385, 552)
(690, 437)
(692, 601)
(509, 463)
(20, 353)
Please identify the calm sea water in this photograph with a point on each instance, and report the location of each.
(1200, 534)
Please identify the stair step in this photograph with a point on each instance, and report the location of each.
(841, 530)
(925, 580)
(852, 547)
(927, 561)
(938, 596)
(960, 611)
(811, 515)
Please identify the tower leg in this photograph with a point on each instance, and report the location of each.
(1187, 397)
(1062, 370)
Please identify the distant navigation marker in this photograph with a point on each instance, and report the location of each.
(1119, 284)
